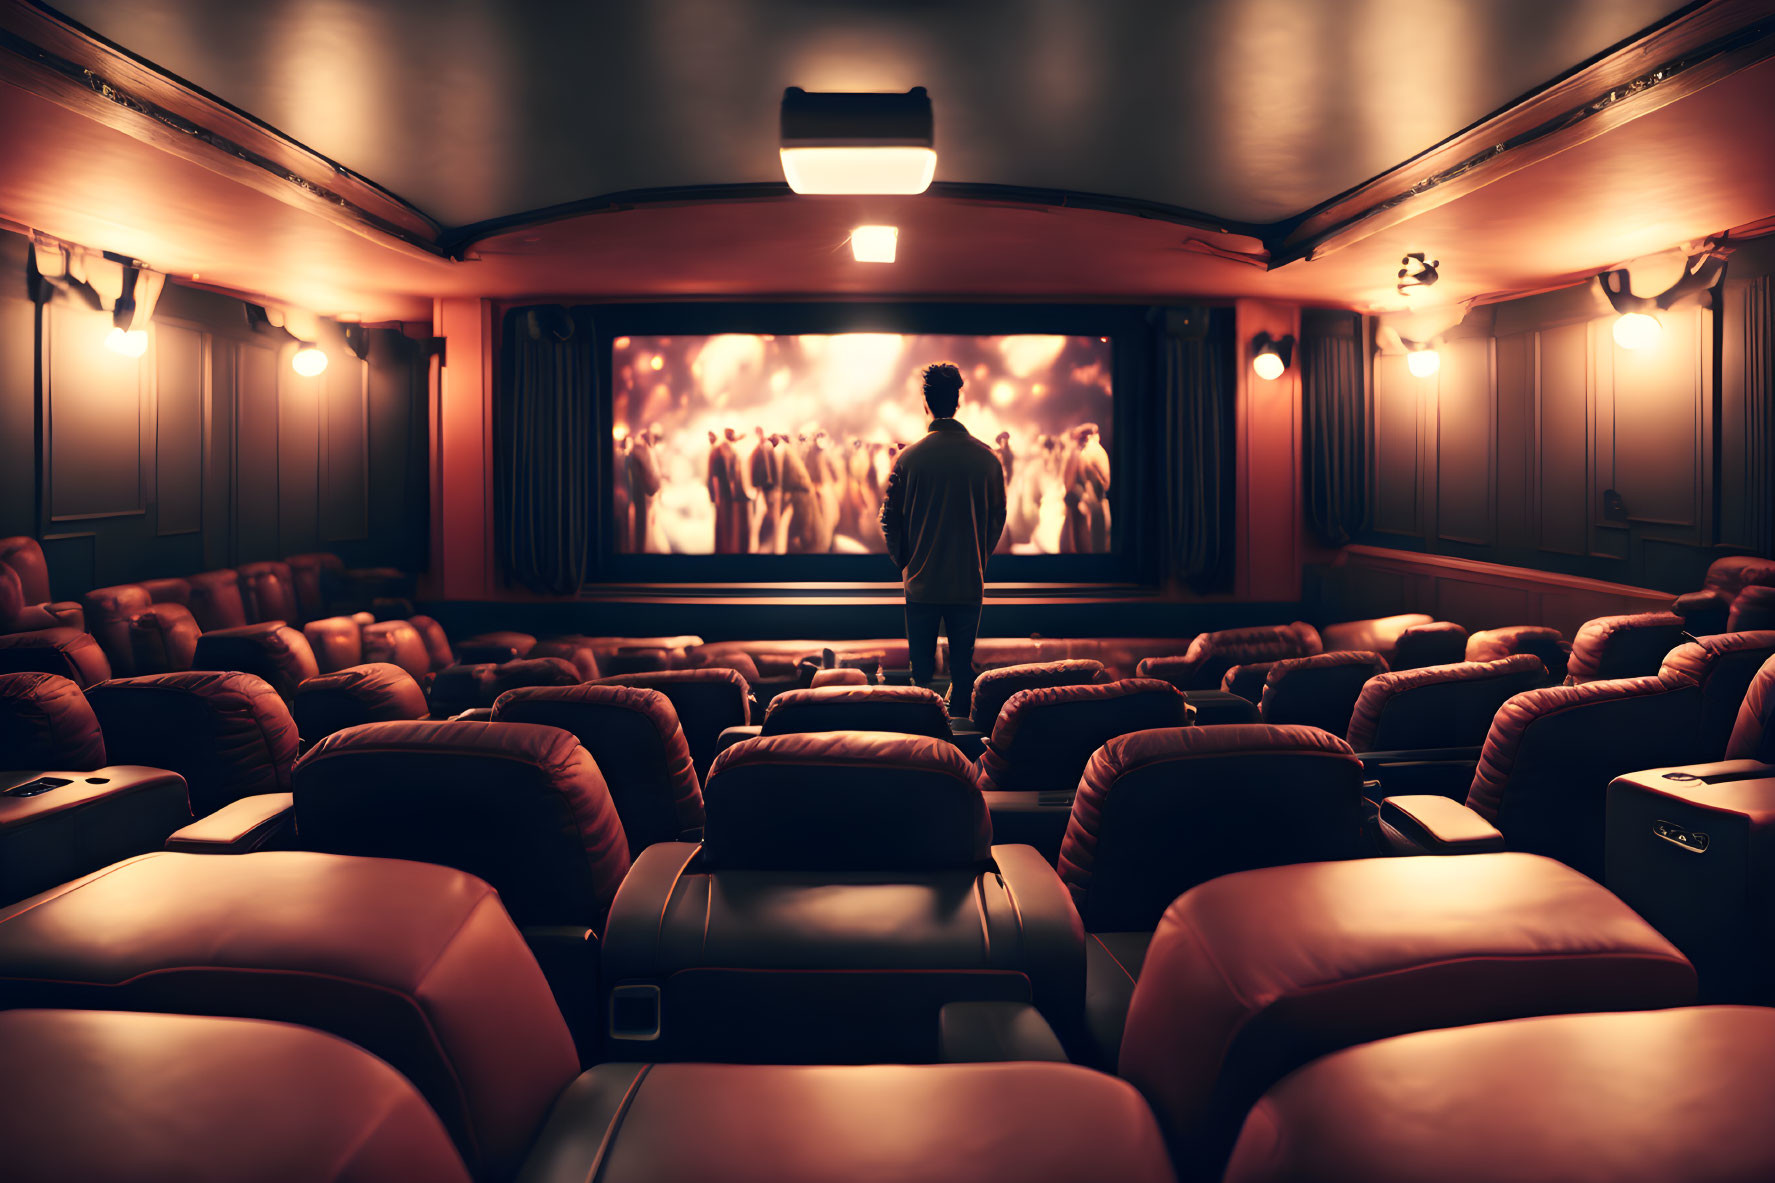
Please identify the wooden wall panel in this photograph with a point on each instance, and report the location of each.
(1562, 445)
(1658, 416)
(1465, 443)
(1397, 447)
(181, 368)
(256, 453)
(18, 399)
(1514, 359)
(98, 415)
(345, 481)
(298, 462)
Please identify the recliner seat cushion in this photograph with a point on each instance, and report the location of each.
(337, 641)
(1210, 655)
(494, 647)
(109, 611)
(1723, 666)
(1247, 680)
(1253, 974)
(1548, 644)
(1446, 706)
(163, 639)
(1441, 642)
(65, 651)
(994, 687)
(375, 693)
(437, 644)
(1318, 691)
(576, 653)
(397, 642)
(315, 579)
(522, 806)
(1630, 646)
(533, 671)
(1753, 734)
(1753, 609)
(1734, 573)
(46, 723)
(272, 651)
(633, 735)
(268, 593)
(908, 710)
(844, 676)
(1704, 613)
(708, 702)
(1378, 634)
(228, 734)
(1161, 811)
(418, 964)
(1044, 738)
(216, 601)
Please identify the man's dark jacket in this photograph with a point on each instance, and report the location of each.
(943, 513)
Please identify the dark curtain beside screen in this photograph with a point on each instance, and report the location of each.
(546, 448)
(1759, 416)
(1334, 413)
(1196, 396)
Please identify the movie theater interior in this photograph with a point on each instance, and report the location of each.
(471, 477)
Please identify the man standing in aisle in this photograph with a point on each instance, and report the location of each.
(942, 515)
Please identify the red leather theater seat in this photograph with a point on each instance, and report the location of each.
(459, 688)
(1377, 635)
(839, 677)
(337, 641)
(1440, 642)
(397, 642)
(1318, 691)
(574, 651)
(1626, 1098)
(271, 1102)
(1447, 706)
(1754, 608)
(994, 687)
(1252, 975)
(268, 593)
(353, 696)
(708, 701)
(64, 651)
(1210, 655)
(1734, 573)
(1623, 646)
(1548, 644)
(228, 734)
(633, 735)
(109, 611)
(907, 710)
(494, 647)
(533, 671)
(316, 580)
(272, 650)
(1753, 733)
(437, 644)
(45, 722)
(216, 601)
(1704, 613)
(1044, 738)
(163, 639)
(418, 964)
(1247, 680)
(522, 806)
(841, 875)
(1723, 666)
(27, 584)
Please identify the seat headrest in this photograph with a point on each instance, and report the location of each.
(1548, 644)
(494, 647)
(274, 1102)
(1630, 646)
(1736, 572)
(1724, 666)
(844, 801)
(1753, 732)
(337, 641)
(1044, 738)
(1318, 691)
(23, 554)
(1441, 642)
(909, 710)
(374, 693)
(163, 639)
(1704, 613)
(12, 596)
(46, 723)
(396, 642)
(1439, 706)
(215, 599)
(1378, 634)
(581, 656)
(458, 688)
(1247, 680)
(65, 651)
(711, 676)
(844, 676)
(1754, 608)
(437, 642)
(994, 688)
(520, 805)
(271, 650)
(533, 671)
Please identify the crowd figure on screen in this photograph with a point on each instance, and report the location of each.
(805, 492)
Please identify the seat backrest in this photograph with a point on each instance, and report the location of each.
(337, 641)
(1247, 680)
(228, 734)
(524, 807)
(844, 801)
(1161, 811)
(1044, 738)
(1379, 634)
(168, 590)
(268, 592)
(1731, 574)
(397, 642)
(1440, 706)
(272, 1102)
(269, 650)
(437, 643)
(375, 693)
(316, 579)
(708, 702)
(1631, 646)
(908, 710)
(1210, 655)
(25, 557)
(1723, 666)
(65, 651)
(494, 647)
(533, 671)
(576, 653)
(46, 723)
(633, 735)
(1544, 772)
(216, 601)
(994, 687)
(1704, 613)
(1753, 609)
(1209, 707)
(1753, 733)
(843, 676)
(1318, 691)
(163, 639)
(1548, 644)
(1441, 642)
(109, 611)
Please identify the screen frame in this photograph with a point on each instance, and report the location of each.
(1130, 334)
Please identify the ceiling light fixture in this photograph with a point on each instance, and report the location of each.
(1637, 330)
(857, 143)
(1415, 274)
(1423, 362)
(1636, 324)
(309, 361)
(875, 244)
(1270, 355)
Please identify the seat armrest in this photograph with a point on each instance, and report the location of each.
(568, 955)
(1053, 938)
(996, 1032)
(1373, 760)
(732, 735)
(1435, 825)
(474, 715)
(1446, 772)
(264, 822)
(67, 613)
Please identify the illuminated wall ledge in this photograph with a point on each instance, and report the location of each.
(857, 594)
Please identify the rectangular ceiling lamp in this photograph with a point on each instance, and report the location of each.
(874, 244)
(858, 143)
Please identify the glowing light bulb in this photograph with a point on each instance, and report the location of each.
(1637, 330)
(1423, 363)
(309, 362)
(1268, 365)
(893, 169)
(875, 244)
(133, 343)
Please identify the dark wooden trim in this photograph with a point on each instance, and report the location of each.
(1694, 48)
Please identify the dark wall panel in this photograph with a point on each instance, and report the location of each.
(1514, 360)
(344, 515)
(256, 453)
(1464, 443)
(298, 465)
(96, 418)
(1396, 447)
(181, 367)
(18, 401)
(1658, 411)
(1562, 451)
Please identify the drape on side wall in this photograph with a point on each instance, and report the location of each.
(1759, 415)
(1196, 397)
(546, 452)
(1334, 420)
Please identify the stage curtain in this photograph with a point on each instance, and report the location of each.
(545, 448)
(1759, 416)
(1197, 395)
(1334, 412)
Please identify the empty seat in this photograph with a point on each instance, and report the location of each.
(65, 651)
(397, 642)
(109, 611)
(316, 580)
(46, 722)
(633, 735)
(994, 687)
(437, 644)
(1704, 613)
(1630, 646)
(708, 701)
(228, 734)
(418, 964)
(1753, 733)
(1734, 573)
(522, 806)
(459, 688)
(1754, 608)
(1378, 634)
(268, 593)
(494, 647)
(1441, 642)
(24, 558)
(1723, 666)
(271, 1102)
(1548, 644)
(1446, 706)
(1251, 975)
(163, 639)
(581, 656)
(216, 601)
(1161, 811)
(337, 641)
(1627, 1098)
(1247, 680)
(375, 693)
(1211, 707)
(844, 676)
(909, 710)
(1044, 738)
(1210, 655)
(271, 650)
(533, 671)
(841, 875)
(1318, 691)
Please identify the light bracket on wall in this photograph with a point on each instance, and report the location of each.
(1271, 356)
(1415, 274)
(1700, 273)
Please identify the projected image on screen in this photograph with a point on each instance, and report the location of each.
(743, 444)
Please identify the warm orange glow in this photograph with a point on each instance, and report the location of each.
(1268, 365)
(885, 170)
(620, 343)
(1423, 363)
(656, 363)
(1637, 330)
(875, 244)
(133, 343)
(309, 362)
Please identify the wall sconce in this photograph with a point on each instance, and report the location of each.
(1636, 323)
(857, 143)
(1270, 356)
(1415, 274)
(309, 361)
(1423, 361)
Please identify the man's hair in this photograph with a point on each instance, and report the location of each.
(942, 389)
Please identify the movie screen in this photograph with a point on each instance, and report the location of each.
(762, 444)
